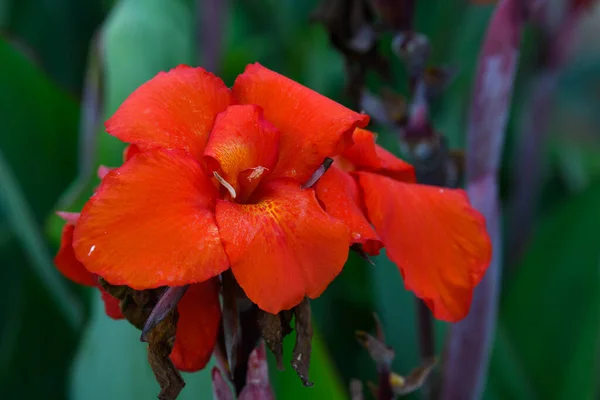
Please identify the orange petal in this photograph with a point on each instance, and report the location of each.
(111, 305)
(151, 223)
(284, 247)
(436, 238)
(242, 147)
(338, 192)
(67, 263)
(312, 126)
(198, 326)
(173, 110)
(366, 155)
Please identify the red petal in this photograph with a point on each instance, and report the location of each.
(151, 223)
(111, 305)
(197, 327)
(67, 263)
(312, 126)
(174, 110)
(338, 193)
(366, 155)
(436, 238)
(245, 147)
(130, 151)
(283, 247)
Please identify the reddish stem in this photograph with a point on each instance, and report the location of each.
(469, 345)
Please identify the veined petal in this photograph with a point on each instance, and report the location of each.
(173, 110)
(197, 327)
(366, 155)
(436, 238)
(312, 126)
(151, 223)
(66, 261)
(243, 147)
(338, 192)
(284, 247)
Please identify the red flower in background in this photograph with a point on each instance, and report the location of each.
(214, 178)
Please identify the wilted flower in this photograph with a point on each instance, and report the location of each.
(217, 178)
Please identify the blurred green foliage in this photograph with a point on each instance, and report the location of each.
(55, 341)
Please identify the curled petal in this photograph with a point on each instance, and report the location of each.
(130, 151)
(436, 238)
(173, 110)
(312, 126)
(366, 155)
(66, 261)
(338, 192)
(242, 147)
(151, 223)
(283, 247)
(197, 327)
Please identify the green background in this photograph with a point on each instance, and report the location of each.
(55, 341)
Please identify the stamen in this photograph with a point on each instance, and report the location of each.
(318, 173)
(226, 184)
(257, 172)
(167, 302)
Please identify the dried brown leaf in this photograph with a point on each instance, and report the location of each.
(272, 331)
(302, 350)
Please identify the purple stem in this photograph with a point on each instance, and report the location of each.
(469, 344)
(535, 127)
(210, 17)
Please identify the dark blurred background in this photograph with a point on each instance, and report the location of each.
(66, 65)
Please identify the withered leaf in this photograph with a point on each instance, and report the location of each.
(286, 321)
(272, 331)
(231, 319)
(302, 349)
(168, 301)
(137, 305)
(160, 345)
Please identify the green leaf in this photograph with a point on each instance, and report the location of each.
(39, 123)
(39, 129)
(141, 38)
(112, 364)
(57, 32)
(27, 231)
(287, 384)
(551, 308)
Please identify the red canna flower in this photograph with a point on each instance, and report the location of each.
(216, 179)
(434, 236)
(72, 268)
